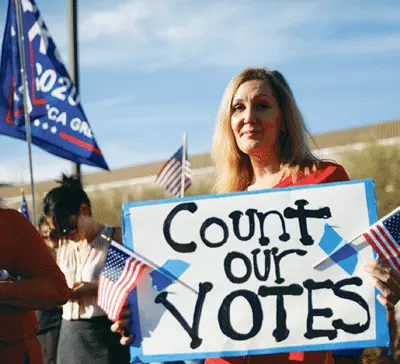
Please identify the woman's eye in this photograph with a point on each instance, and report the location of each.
(237, 107)
(262, 106)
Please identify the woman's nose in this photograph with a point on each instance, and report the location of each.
(250, 115)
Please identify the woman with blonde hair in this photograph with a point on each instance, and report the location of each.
(261, 142)
(265, 151)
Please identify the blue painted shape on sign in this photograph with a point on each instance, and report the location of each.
(168, 273)
(339, 250)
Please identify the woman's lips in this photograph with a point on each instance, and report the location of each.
(250, 132)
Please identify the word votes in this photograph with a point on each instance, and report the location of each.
(301, 213)
(281, 331)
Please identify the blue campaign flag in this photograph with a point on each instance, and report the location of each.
(58, 122)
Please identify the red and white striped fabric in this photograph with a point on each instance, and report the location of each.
(117, 279)
(384, 237)
(170, 175)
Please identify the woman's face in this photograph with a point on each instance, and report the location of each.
(256, 119)
(76, 229)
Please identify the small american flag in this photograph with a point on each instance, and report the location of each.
(384, 237)
(170, 174)
(24, 206)
(117, 279)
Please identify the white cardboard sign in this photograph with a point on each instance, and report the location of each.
(248, 258)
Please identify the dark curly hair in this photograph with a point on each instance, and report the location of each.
(64, 201)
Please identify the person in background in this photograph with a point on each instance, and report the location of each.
(49, 320)
(85, 335)
(44, 231)
(34, 282)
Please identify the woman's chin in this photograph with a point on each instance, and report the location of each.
(253, 148)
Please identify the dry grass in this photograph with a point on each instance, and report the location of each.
(382, 164)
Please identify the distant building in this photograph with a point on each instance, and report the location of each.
(327, 145)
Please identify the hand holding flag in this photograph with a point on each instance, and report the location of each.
(118, 278)
(383, 237)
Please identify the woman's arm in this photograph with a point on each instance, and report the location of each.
(42, 284)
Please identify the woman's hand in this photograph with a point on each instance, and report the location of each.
(387, 281)
(122, 326)
(83, 289)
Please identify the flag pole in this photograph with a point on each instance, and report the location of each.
(152, 265)
(25, 97)
(73, 58)
(183, 175)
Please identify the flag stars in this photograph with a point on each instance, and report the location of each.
(392, 224)
(115, 264)
(45, 126)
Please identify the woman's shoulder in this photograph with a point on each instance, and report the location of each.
(331, 168)
(321, 172)
(9, 213)
(110, 232)
(11, 216)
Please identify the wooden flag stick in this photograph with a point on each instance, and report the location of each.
(183, 175)
(154, 266)
(328, 257)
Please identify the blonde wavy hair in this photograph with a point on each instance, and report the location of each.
(233, 167)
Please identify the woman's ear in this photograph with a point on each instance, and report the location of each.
(84, 209)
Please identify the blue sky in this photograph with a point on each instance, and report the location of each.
(150, 70)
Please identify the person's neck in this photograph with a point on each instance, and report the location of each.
(267, 172)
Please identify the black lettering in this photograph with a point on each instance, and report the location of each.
(224, 315)
(235, 216)
(352, 296)
(228, 267)
(263, 240)
(206, 224)
(277, 260)
(302, 214)
(193, 331)
(310, 285)
(281, 332)
(267, 264)
(179, 247)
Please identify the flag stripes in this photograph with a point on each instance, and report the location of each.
(383, 236)
(170, 175)
(118, 278)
